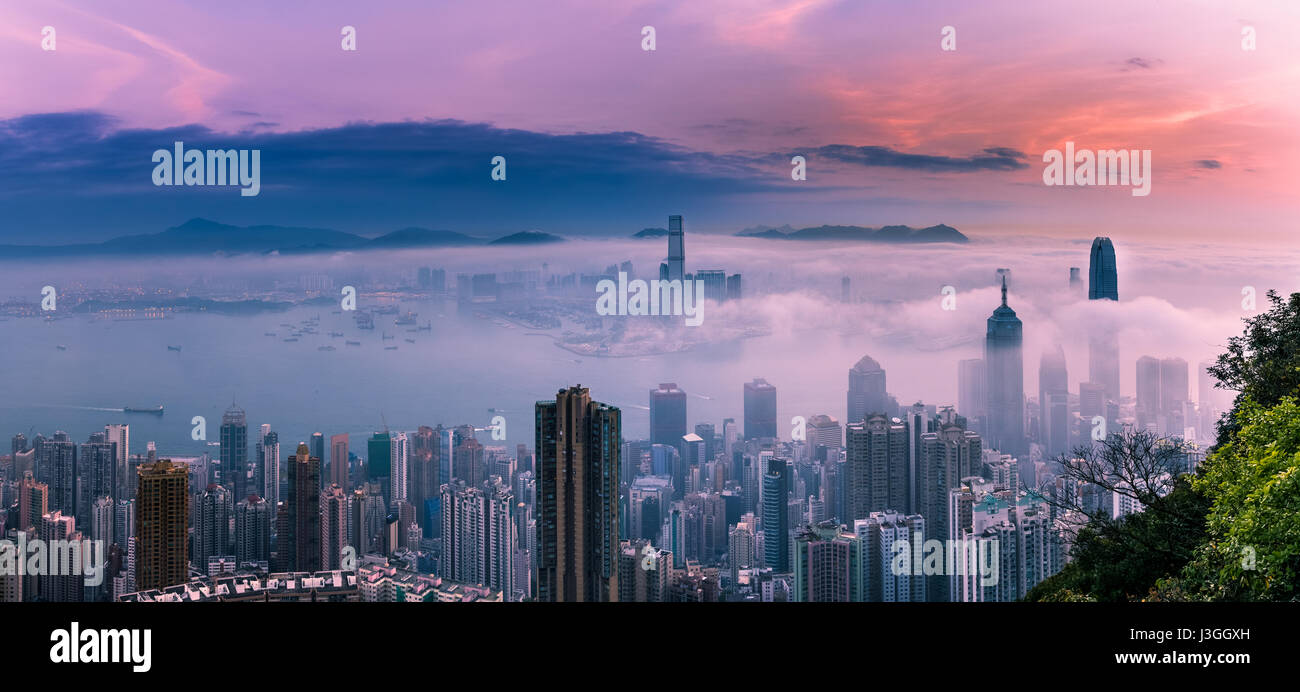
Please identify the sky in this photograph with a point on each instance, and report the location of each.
(603, 138)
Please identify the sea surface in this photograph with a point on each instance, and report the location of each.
(465, 370)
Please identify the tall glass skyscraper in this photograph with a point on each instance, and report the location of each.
(379, 462)
(1102, 280)
(234, 451)
(760, 409)
(1005, 379)
(1103, 341)
(776, 515)
(1053, 402)
(676, 262)
(667, 414)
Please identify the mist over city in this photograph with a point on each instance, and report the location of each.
(989, 311)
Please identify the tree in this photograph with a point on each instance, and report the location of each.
(1252, 482)
(1120, 559)
(1116, 558)
(1263, 364)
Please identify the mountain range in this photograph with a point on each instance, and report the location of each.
(206, 237)
(885, 234)
(202, 236)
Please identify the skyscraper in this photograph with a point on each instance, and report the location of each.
(1092, 401)
(162, 525)
(1173, 385)
(268, 464)
(876, 467)
(760, 409)
(317, 444)
(58, 465)
(676, 262)
(1103, 341)
(401, 467)
(96, 466)
(667, 414)
(212, 525)
(1102, 279)
(1162, 394)
(1005, 379)
(947, 456)
(339, 460)
(303, 544)
(972, 397)
(120, 435)
(379, 462)
(1148, 391)
(824, 431)
(1053, 402)
(333, 526)
(478, 534)
(828, 566)
(234, 451)
(33, 502)
(879, 534)
(867, 390)
(776, 516)
(577, 442)
(253, 519)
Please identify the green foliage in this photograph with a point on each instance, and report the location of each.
(1119, 560)
(1253, 484)
(1248, 491)
(1263, 364)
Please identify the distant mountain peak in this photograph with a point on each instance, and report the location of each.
(528, 238)
(940, 233)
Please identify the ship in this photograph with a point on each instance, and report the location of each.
(292, 338)
(410, 341)
(336, 334)
(387, 336)
(408, 318)
(353, 343)
(365, 320)
(324, 348)
(390, 348)
(62, 347)
(157, 410)
(428, 326)
(268, 333)
(174, 348)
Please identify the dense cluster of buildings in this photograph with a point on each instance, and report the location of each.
(918, 502)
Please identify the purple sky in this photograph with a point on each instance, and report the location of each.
(754, 79)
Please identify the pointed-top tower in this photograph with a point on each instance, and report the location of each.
(1006, 378)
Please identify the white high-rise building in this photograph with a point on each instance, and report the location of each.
(478, 535)
(743, 546)
(883, 534)
(121, 436)
(269, 457)
(400, 455)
